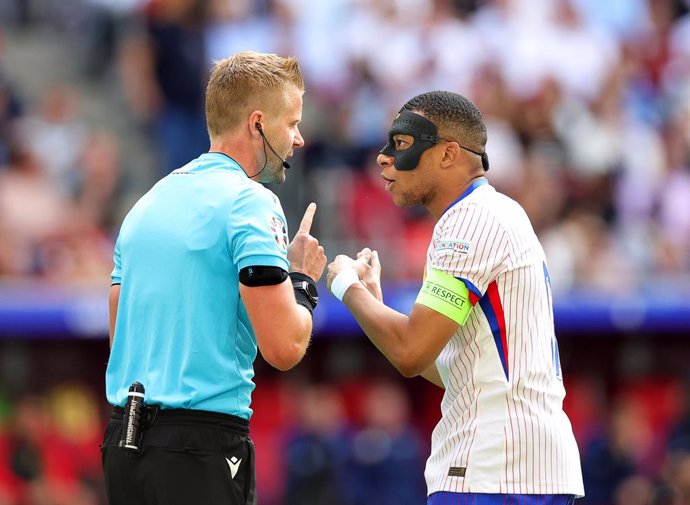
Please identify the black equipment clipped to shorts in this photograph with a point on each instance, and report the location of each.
(134, 417)
(185, 457)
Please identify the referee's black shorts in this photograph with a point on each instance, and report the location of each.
(187, 457)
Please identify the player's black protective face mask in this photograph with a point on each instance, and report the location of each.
(424, 133)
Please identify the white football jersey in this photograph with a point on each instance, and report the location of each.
(503, 428)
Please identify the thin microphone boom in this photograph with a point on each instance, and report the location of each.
(261, 131)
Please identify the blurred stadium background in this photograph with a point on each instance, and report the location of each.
(588, 108)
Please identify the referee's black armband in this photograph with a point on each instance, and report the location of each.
(262, 276)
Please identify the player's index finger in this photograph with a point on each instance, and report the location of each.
(374, 260)
(308, 219)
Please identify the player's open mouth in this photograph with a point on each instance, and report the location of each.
(389, 183)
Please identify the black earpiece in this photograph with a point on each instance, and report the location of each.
(267, 143)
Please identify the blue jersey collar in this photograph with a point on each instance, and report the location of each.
(479, 182)
(221, 157)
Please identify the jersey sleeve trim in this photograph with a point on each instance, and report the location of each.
(492, 306)
(446, 295)
(475, 294)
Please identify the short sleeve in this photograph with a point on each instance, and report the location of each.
(257, 229)
(471, 245)
(116, 274)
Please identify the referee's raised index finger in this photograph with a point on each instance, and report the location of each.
(308, 219)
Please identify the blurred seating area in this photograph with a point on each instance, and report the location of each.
(344, 429)
(49, 448)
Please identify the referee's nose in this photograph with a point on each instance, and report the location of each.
(298, 140)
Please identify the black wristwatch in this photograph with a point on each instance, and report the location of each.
(308, 289)
(305, 290)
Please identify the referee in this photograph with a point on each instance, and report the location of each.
(204, 276)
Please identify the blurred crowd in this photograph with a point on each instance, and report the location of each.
(361, 440)
(587, 105)
(49, 448)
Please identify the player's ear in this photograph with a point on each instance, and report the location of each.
(451, 154)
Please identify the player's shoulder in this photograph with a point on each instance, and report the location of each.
(484, 208)
(477, 205)
(488, 197)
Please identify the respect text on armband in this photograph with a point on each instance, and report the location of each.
(445, 295)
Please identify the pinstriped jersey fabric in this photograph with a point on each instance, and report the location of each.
(503, 429)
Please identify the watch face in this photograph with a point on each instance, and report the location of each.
(311, 289)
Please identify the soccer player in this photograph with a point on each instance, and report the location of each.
(482, 324)
(203, 276)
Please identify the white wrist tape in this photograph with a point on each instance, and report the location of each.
(342, 282)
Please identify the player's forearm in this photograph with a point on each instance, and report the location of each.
(387, 329)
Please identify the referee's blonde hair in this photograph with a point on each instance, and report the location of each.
(244, 82)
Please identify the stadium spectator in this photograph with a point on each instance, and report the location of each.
(384, 448)
(56, 134)
(317, 450)
(25, 185)
(614, 457)
(165, 69)
(38, 465)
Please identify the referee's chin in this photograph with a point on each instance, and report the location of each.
(278, 173)
(280, 176)
(275, 176)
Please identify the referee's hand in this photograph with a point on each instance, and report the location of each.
(304, 252)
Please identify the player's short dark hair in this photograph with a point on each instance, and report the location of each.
(454, 115)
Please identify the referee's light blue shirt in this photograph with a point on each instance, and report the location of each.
(182, 330)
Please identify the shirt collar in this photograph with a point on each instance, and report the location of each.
(479, 182)
(221, 158)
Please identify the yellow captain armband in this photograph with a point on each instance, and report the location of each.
(445, 294)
